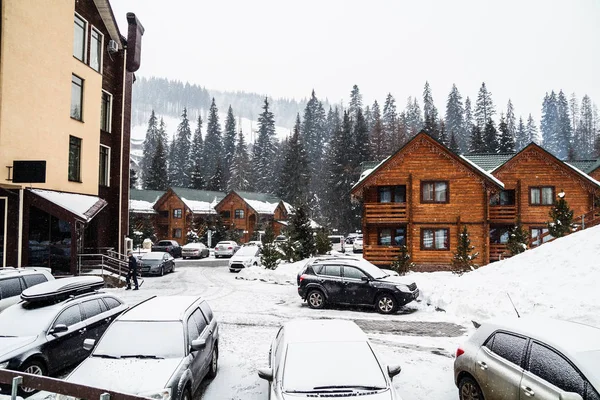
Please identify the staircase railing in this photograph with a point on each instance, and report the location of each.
(103, 262)
(588, 220)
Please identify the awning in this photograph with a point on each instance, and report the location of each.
(83, 207)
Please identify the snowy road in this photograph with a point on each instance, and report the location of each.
(250, 312)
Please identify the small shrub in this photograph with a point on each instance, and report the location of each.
(322, 242)
(463, 258)
(402, 264)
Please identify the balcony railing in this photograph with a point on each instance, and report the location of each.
(503, 213)
(385, 213)
(498, 251)
(381, 255)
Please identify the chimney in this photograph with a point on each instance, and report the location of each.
(134, 42)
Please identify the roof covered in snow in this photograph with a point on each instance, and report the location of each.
(83, 206)
(142, 201)
(199, 201)
(262, 203)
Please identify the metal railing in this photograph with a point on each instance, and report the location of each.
(105, 263)
(52, 385)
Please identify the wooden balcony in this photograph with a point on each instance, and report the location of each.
(503, 213)
(382, 256)
(162, 220)
(382, 213)
(498, 252)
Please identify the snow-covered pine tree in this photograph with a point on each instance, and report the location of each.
(455, 115)
(402, 134)
(360, 144)
(511, 120)
(270, 254)
(213, 143)
(216, 181)
(149, 146)
(549, 123)
(369, 118)
(196, 158)
(332, 122)
(443, 136)
(171, 163)
(263, 175)
(402, 263)
(355, 102)
(181, 153)
(532, 131)
(228, 143)
(477, 144)
(430, 113)
(157, 177)
(377, 140)
(574, 111)
(521, 137)
(322, 242)
(561, 217)
(517, 239)
(312, 135)
(239, 174)
(390, 126)
(585, 133)
(454, 144)
(506, 143)
(294, 178)
(414, 117)
(484, 107)
(464, 258)
(490, 137)
(300, 231)
(133, 178)
(564, 131)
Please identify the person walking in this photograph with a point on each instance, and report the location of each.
(132, 273)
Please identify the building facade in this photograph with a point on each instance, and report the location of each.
(65, 105)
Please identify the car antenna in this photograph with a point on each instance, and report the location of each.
(513, 304)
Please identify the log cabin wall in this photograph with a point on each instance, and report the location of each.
(228, 206)
(169, 225)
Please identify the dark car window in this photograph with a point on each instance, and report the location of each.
(200, 320)
(591, 394)
(192, 328)
(353, 273)
(91, 308)
(554, 368)
(507, 346)
(318, 269)
(332, 270)
(32, 280)
(69, 317)
(112, 302)
(205, 308)
(10, 287)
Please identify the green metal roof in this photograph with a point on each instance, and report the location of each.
(584, 165)
(365, 165)
(489, 161)
(198, 195)
(145, 195)
(269, 198)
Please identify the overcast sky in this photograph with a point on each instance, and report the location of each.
(280, 48)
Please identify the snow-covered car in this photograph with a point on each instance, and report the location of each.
(519, 358)
(246, 256)
(156, 263)
(161, 349)
(337, 243)
(326, 358)
(226, 248)
(14, 280)
(253, 243)
(357, 246)
(194, 250)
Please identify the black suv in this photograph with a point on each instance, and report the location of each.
(353, 281)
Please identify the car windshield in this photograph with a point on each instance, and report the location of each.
(224, 244)
(310, 366)
(31, 321)
(166, 243)
(335, 239)
(193, 246)
(371, 269)
(162, 339)
(247, 251)
(153, 256)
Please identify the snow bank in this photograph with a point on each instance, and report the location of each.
(285, 274)
(558, 279)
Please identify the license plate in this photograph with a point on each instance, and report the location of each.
(416, 294)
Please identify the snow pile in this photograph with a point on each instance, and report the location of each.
(558, 279)
(285, 274)
(78, 204)
(141, 207)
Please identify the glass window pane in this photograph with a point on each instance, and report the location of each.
(547, 196)
(509, 347)
(333, 270)
(385, 194)
(353, 273)
(70, 316)
(385, 237)
(95, 50)
(400, 236)
(32, 280)
(105, 106)
(441, 239)
(79, 38)
(10, 287)
(104, 163)
(76, 97)
(74, 159)
(441, 192)
(91, 308)
(535, 196)
(427, 191)
(553, 368)
(428, 238)
(400, 194)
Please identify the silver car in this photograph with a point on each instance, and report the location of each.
(526, 358)
(326, 358)
(226, 248)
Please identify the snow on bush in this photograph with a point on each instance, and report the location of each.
(285, 274)
(558, 279)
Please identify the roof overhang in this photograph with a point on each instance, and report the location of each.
(108, 18)
(80, 207)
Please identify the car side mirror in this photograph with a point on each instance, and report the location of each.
(198, 344)
(58, 329)
(364, 278)
(88, 344)
(393, 370)
(266, 374)
(569, 396)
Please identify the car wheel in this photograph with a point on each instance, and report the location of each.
(186, 394)
(386, 304)
(162, 271)
(316, 299)
(33, 367)
(173, 267)
(468, 389)
(214, 360)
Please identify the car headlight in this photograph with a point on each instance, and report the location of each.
(403, 288)
(65, 397)
(162, 394)
(247, 262)
(4, 364)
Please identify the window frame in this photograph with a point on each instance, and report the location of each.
(511, 194)
(73, 76)
(393, 231)
(177, 213)
(76, 178)
(240, 214)
(226, 214)
(489, 344)
(101, 48)
(177, 233)
(541, 203)
(86, 25)
(434, 182)
(422, 232)
(108, 117)
(534, 240)
(104, 176)
(394, 190)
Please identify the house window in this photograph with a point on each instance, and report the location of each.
(239, 214)
(395, 194)
(104, 177)
(499, 234)
(79, 38)
(434, 192)
(504, 198)
(74, 159)
(96, 44)
(535, 232)
(177, 233)
(105, 111)
(164, 213)
(435, 239)
(225, 214)
(76, 97)
(541, 195)
(391, 236)
(177, 213)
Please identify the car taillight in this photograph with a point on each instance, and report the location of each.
(301, 278)
(459, 352)
(230, 248)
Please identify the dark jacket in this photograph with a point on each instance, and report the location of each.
(132, 262)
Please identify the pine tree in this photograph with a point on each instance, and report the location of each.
(477, 144)
(181, 153)
(521, 137)
(585, 134)
(133, 178)
(270, 254)
(414, 118)
(574, 111)
(468, 116)
(532, 132)
(454, 144)
(263, 176)
(506, 143)
(355, 102)
(294, 178)
(377, 140)
(549, 124)
(213, 143)
(463, 260)
(402, 263)
(565, 132)
(216, 181)
(484, 107)
(430, 113)
(322, 242)
(369, 117)
(301, 232)
(490, 137)
(511, 120)
(149, 146)
(390, 126)
(240, 169)
(197, 158)
(455, 120)
(171, 163)
(313, 132)
(228, 143)
(517, 239)
(443, 136)
(561, 216)
(157, 178)
(360, 144)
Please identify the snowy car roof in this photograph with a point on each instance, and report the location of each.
(160, 308)
(324, 330)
